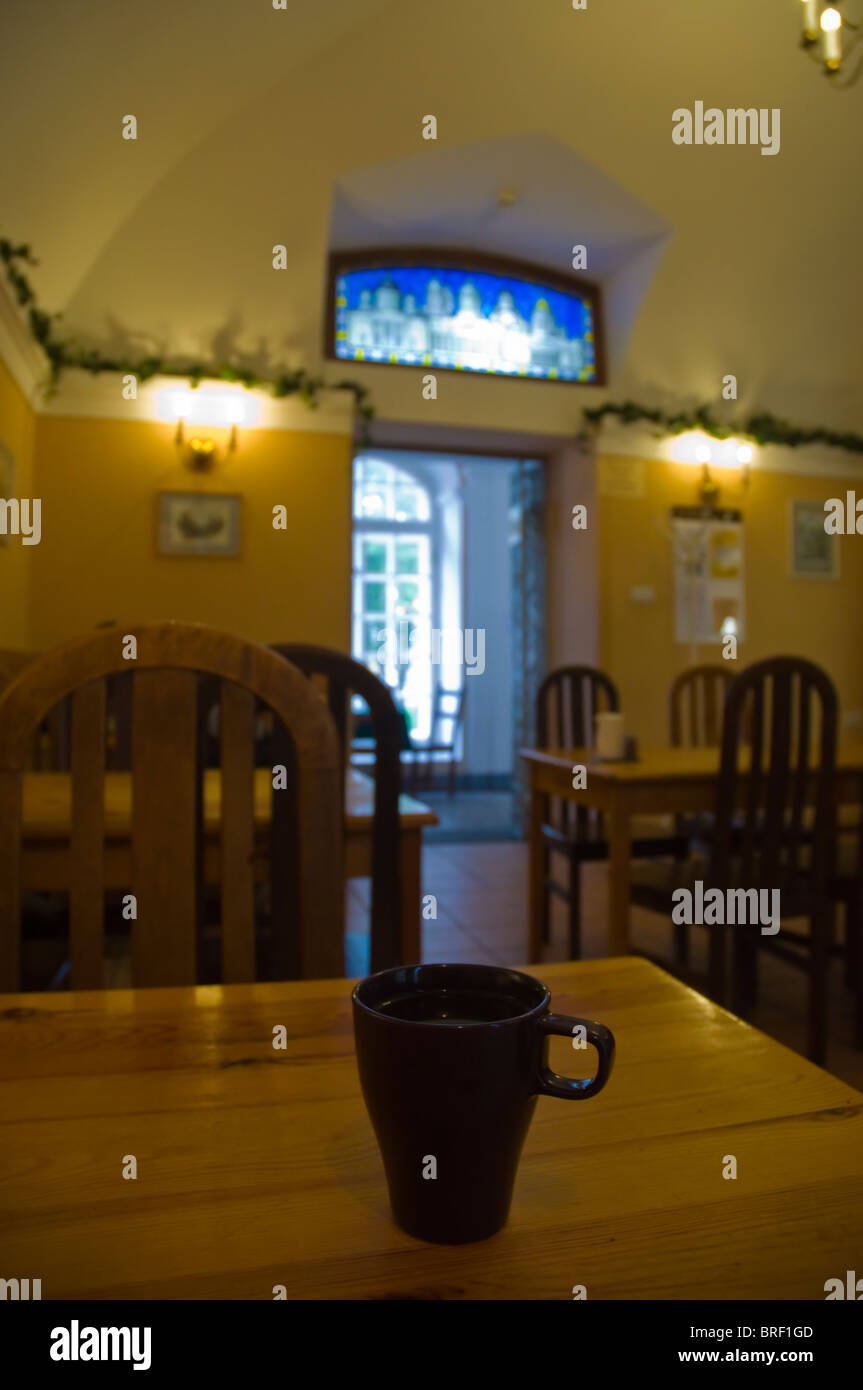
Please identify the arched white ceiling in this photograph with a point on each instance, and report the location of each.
(253, 121)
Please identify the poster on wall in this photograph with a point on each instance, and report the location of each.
(709, 596)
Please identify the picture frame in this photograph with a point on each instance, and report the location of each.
(199, 524)
(812, 552)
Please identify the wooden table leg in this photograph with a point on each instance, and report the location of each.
(537, 876)
(410, 852)
(619, 866)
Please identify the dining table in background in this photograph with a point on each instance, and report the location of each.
(258, 1175)
(662, 781)
(46, 798)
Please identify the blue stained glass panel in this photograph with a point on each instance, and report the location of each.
(470, 320)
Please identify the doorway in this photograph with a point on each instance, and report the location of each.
(448, 609)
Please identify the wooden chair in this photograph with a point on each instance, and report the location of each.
(344, 677)
(49, 750)
(786, 709)
(167, 805)
(567, 701)
(423, 758)
(696, 702)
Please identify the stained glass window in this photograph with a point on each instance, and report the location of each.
(464, 319)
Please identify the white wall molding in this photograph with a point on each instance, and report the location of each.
(811, 461)
(101, 397)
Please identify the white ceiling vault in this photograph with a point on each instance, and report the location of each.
(301, 126)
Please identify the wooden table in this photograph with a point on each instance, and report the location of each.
(663, 781)
(47, 813)
(258, 1168)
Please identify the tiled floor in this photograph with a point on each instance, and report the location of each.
(471, 816)
(481, 893)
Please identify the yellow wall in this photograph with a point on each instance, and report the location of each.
(99, 481)
(17, 422)
(819, 619)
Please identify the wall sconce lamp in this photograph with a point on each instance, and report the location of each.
(715, 453)
(223, 409)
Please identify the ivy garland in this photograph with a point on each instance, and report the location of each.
(763, 428)
(64, 353)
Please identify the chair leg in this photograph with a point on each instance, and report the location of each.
(744, 969)
(681, 930)
(852, 940)
(451, 777)
(574, 909)
(681, 943)
(858, 947)
(717, 965)
(854, 963)
(819, 927)
(545, 919)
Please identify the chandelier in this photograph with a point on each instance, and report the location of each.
(829, 38)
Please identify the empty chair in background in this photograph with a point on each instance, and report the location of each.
(567, 702)
(777, 760)
(441, 750)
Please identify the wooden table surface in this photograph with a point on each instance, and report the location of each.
(663, 781)
(47, 800)
(258, 1167)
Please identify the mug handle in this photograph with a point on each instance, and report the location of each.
(550, 1083)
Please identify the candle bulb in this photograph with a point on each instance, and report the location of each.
(831, 24)
(810, 21)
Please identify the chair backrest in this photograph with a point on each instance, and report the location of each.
(12, 662)
(167, 801)
(566, 703)
(344, 677)
(49, 747)
(786, 710)
(451, 718)
(696, 701)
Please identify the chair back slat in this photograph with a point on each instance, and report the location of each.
(345, 677)
(787, 709)
(87, 836)
(338, 700)
(567, 703)
(287, 954)
(238, 833)
(796, 828)
(696, 701)
(778, 771)
(164, 707)
(10, 879)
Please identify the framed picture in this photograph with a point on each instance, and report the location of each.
(199, 523)
(814, 554)
(7, 482)
(463, 311)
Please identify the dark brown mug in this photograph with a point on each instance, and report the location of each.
(451, 1060)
